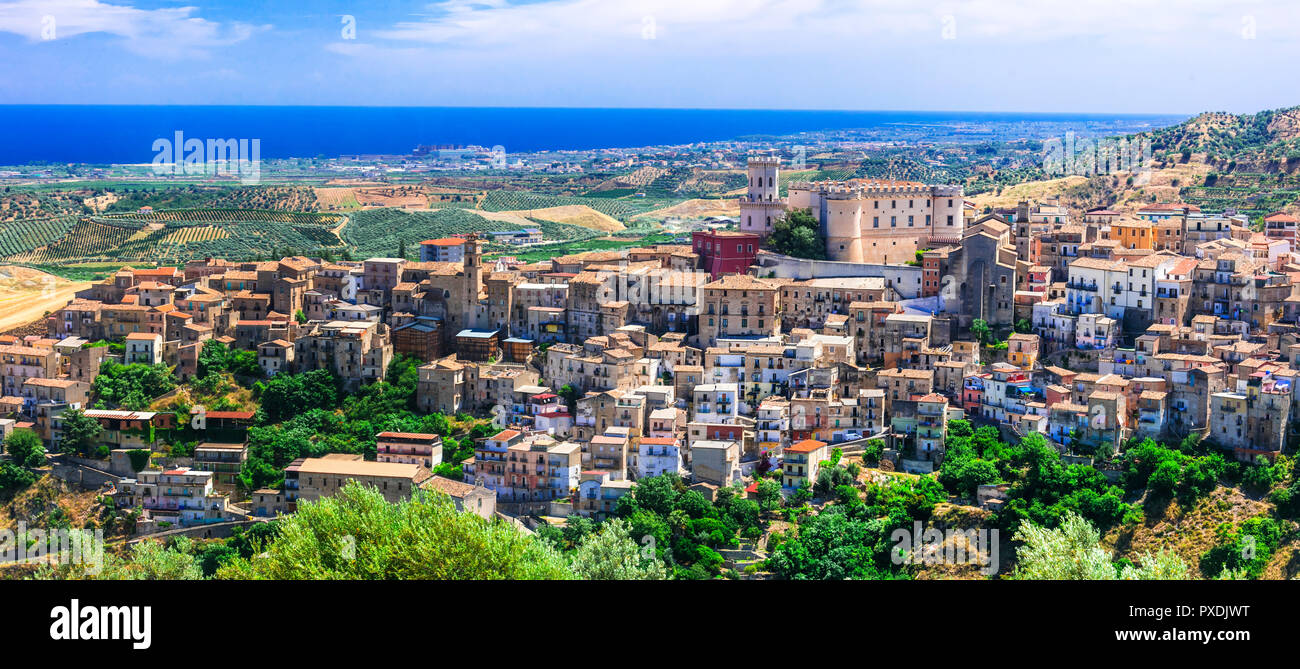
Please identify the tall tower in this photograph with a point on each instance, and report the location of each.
(761, 206)
(473, 276)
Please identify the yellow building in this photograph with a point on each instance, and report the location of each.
(1022, 350)
(801, 463)
(1132, 234)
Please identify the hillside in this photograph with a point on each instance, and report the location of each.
(49, 502)
(27, 294)
(176, 236)
(1190, 532)
(1216, 161)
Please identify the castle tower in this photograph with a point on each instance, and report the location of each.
(761, 206)
(473, 275)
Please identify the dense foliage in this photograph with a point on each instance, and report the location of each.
(26, 448)
(1073, 551)
(219, 358)
(798, 234)
(356, 534)
(131, 387)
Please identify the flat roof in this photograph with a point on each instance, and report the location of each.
(359, 468)
(477, 334)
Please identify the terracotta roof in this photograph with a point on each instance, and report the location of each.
(805, 446)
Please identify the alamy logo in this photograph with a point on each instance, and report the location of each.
(103, 623)
(53, 546)
(953, 547)
(1085, 156)
(179, 156)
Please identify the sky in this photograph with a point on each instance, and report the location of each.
(1104, 56)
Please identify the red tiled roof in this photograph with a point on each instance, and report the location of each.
(238, 415)
(805, 446)
(405, 435)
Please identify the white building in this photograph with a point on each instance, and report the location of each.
(181, 496)
(447, 249)
(715, 403)
(144, 347)
(658, 455)
(1096, 286)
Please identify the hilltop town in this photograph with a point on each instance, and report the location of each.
(931, 361)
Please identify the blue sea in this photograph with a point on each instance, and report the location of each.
(102, 134)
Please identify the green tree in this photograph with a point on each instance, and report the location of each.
(981, 331)
(1244, 552)
(14, 478)
(286, 395)
(26, 448)
(612, 555)
(149, 560)
(357, 534)
(798, 234)
(300, 317)
(132, 386)
(1073, 551)
(657, 494)
(836, 544)
(139, 458)
(80, 433)
(570, 396)
(769, 495)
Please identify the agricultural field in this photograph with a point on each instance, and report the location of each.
(381, 232)
(280, 198)
(545, 252)
(618, 208)
(19, 236)
(89, 238)
(21, 204)
(170, 236)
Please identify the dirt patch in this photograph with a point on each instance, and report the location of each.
(574, 214)
(504, 217)
(27, 294)
(698, 208)
(336, 199)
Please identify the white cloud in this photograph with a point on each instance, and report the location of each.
(163, 33)
(817, 25)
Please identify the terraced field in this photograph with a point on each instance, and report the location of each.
(381, 232)
(196, 233)
(173, 236)
(89, 238)
(21, 236)
(176, 236)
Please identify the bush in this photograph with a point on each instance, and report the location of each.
(26, 448)
(357, 534)
(139, 458)
(798, 234)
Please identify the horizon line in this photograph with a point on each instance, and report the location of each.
(622, 108)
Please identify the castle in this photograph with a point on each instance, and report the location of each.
(862, 220)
